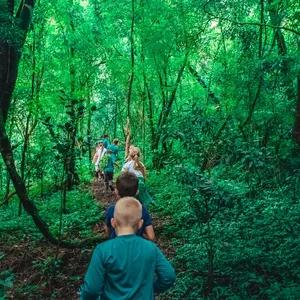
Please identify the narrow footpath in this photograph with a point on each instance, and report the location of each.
(159, 222)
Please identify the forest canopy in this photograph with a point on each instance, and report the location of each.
(210, 93)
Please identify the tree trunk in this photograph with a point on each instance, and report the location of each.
(115, 120)
(164, 114)
(10, 52)
(8, 75)
(7, 188)
(210, 94)
(132, 62)
(150, 114)
(89, 140)
(296, 131)
(260, 48)
(70, 155)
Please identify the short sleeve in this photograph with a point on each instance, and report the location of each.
(126, 166)
(146, 217)
(109, 215)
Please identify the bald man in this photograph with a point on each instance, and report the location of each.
(124, 267)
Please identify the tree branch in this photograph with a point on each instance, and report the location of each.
(248, 23)
(202, 82)
(166, 111)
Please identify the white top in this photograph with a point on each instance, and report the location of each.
(128, 167)
(100, 153)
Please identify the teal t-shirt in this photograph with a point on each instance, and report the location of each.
(110, 164)
(124, 268)
(105, 143)
(114, 149)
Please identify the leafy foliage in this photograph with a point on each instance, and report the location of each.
(212, 108)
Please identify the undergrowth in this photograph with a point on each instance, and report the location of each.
(32, 268)
(82, 213)
(242, 245)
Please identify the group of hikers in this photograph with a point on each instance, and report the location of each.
(125, 266)
(105, 159)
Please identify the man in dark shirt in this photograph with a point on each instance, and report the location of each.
(124, 267)
(127, 186)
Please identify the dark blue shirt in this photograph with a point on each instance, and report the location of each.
(110, 214)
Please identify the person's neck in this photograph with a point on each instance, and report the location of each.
(124, 231)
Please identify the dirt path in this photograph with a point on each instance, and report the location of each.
(31, 262)
(159, 222)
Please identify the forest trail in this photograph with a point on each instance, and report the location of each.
(37, 273)
(159, 222)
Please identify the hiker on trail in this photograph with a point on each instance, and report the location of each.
(105, 141)
(124, 267)
(127, 186)
(114, 148)
(100, 150)
(133, 165)
(106, 165)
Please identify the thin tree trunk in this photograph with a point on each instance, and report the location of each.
(167, 109)
(211, 94)
(7, 188)
(70, 155)
(150, 114)
(29, 206)
(9, 58)
(296, 131)
(260, 49)
(10, 52)
(1, 180)
(116, 115)
(278, 35)
(132, 61)
(252, 107)
(89, 128)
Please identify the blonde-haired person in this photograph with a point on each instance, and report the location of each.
(124, 267)
(135, 166)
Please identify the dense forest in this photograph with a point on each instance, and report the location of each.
(210, 93)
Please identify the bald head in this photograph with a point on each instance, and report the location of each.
(128, 213)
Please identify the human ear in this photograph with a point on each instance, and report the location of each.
(141, 221)
(113, 222)
(137, 192)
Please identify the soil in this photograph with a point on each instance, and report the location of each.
(38, 275)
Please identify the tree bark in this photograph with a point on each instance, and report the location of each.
(211, 94)
(21, 191)
(150, 114)
(260, 48)
(74, 118)
(10, 53)
(8, 76)
(164, 114)
(89, 140)
(132, 61)
(296, 131)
